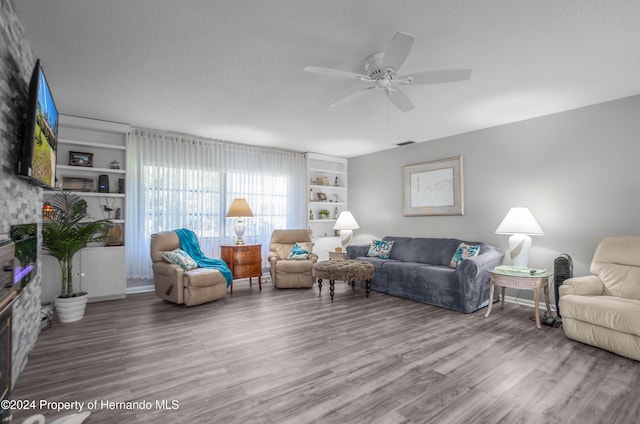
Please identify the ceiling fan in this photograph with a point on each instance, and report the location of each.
(382, 72)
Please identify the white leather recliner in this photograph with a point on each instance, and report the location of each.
(603, 309)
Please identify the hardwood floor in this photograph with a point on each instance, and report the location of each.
(292, 356)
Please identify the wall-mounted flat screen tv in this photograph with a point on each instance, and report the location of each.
(37, 160)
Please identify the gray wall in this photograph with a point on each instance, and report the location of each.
(19, 202)
(577, 172)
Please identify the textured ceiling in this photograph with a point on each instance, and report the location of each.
(233, 70)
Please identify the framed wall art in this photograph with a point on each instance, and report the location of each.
(76, 183)
(434, 188)
(81, 159)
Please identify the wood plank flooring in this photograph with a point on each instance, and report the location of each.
(292, 356)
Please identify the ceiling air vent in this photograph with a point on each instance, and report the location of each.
(404, 143)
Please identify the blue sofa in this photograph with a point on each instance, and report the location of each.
(418, 269)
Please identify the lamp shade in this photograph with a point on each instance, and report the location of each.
(346, 221)
(519, 221)
(239, 207)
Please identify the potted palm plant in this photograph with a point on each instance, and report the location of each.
(66, 231)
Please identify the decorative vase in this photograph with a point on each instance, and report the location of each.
(71, 309)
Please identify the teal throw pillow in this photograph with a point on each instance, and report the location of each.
(380, 248)
(300, 251)
(180, 258)
(464, 251)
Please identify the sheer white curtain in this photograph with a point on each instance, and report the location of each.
(178, 181)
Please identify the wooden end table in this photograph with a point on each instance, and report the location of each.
(244, 261)
(521, 281)
(337, 256)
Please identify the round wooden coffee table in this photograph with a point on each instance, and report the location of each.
(349, 271)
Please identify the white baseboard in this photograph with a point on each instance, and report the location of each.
(508, 299)
(140, 289)
(150, 287)
(529, 303)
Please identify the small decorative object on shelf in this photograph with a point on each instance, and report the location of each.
(337, 181)
(115, 164)
(310, 214)
(335, 213)
(114, 236)
(82, 207)
(72, 183)
(81, 159)
(324, 213)
(322, 197)
(47, 210)
(311, 195)
(323, 181)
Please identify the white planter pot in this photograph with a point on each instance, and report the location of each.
(71, 309)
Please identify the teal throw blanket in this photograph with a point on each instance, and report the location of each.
(189, 243)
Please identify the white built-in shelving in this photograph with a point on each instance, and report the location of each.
(327, 190)
(99, 270)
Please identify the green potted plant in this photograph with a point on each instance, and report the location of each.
(66, 231)
(324, 213)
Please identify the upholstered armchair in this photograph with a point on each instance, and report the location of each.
(173, 283)
(603, 309)
(290, 273)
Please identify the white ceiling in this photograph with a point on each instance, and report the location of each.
(233, 70)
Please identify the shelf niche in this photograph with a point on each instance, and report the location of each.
(326, 189)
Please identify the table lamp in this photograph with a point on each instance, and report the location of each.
(239, 208)
(521, 224)
(346, 223)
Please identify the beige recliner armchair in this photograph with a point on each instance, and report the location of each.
(603, 309)
(176, 285)
(290, 273)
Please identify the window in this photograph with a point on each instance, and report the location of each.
(179, 182)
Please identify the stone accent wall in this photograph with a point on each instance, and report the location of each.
(20, 202)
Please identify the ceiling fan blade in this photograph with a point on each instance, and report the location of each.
(400, 100)
(336, 73)
(397, 50)
(440, 76)
(350, 97)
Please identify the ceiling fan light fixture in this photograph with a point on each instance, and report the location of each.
(383, 83)
(382, 71)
